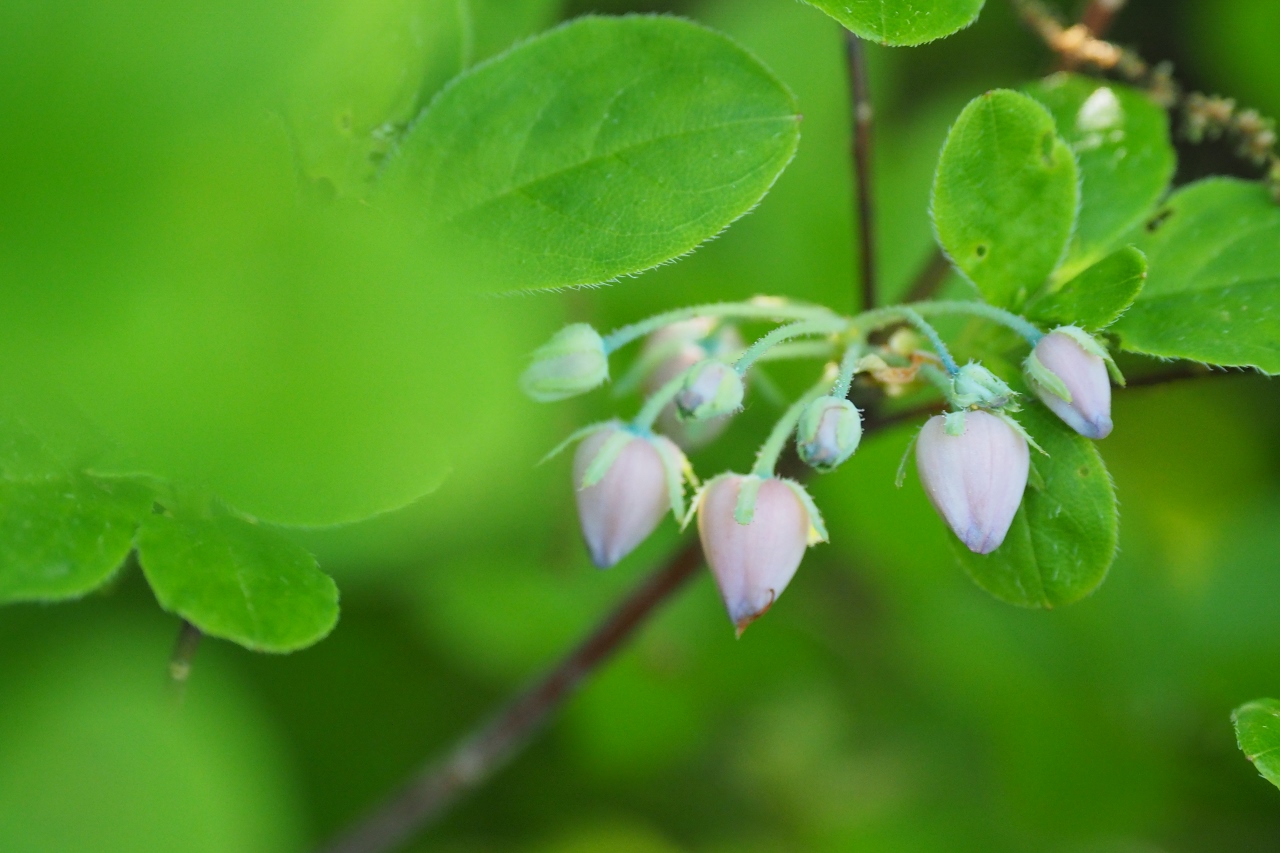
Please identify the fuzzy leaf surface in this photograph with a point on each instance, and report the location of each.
(1064, 537)
(1005, 196)
(1213, 286)
(1257, 726)
(902, 22)
(1121, 142)
(600, 149)
(1097, 297)
(238, 581)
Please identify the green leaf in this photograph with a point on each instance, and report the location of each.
(1096, 297)
(1258, 734)
(238, 581)
(1065, 535)
(1005, 196)
(599, 149)
(902, 22)
(1121, 142)
(1213, 287)
(63, 537)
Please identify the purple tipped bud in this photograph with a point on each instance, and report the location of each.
(620, 510)
(711, 390)
(1070, 377)
(828, 432)
(571, 363)
(752, 563)
(679, 347)
(974, 480)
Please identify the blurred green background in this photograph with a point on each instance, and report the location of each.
(886, 704)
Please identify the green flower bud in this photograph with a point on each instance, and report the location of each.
(974, 385)
(711, 389)
(828, 432)
(571, 363)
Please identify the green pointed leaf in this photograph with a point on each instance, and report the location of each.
(1126, 159)
(64, 536)
(1005, 196)
(599, 149)
(1065, 535)
(1213, 284)
(902, 22)
(1096, 297)
(238, 581)
(1257, 726)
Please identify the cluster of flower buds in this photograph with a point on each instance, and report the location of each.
(974, 461)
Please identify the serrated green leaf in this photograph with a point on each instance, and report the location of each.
(902, 22)
(1005, 196)
(238, 581)
(1257, 725)
(1126, 159)
(62, 537)
(1064, 537)
(372, 65)
(599, 149)
(1097, 297)
(1213, 284)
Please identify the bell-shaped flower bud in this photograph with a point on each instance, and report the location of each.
(974, 385)
(828, 432)
(624, 487)
(673, 350)
(1069, 374)
(711, 389)
(571, 363)
(975, 479)
(753, 562)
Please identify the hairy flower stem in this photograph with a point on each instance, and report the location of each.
(772, 310)
(657, 401)
(870, 321)
(786, 333)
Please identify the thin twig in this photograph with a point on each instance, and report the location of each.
(1099, 14)
(184, 651)
(482, 753)
(930, 278)
(863, 118)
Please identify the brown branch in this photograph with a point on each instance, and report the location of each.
(930, 278)
(863, 117)
(1099, 14)
(184, 651)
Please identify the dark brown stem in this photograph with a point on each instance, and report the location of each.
(863, 117)
(930, 278)
(184, 651)
(1099, 14)
(477, 757)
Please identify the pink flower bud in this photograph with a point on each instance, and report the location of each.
(752, 563)
(681, 346)
(1072, 381)
(974, 480)
(623, 508)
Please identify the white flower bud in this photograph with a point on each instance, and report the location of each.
(711, 390)
(828, 432)
(619, 511)
(974, 480)
(1070, 377)
(679, 347)
(571, 363)
(752, 563)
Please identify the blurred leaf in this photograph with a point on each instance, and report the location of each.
(374, 64)
(238, 581)
(1005, 196)
(1064, 537)
(1258, 734)
(600, 149)
(902, 22)
(1097, 297)
(1213, 290)
(65, 536)
(1126, 159)
(98, 757)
